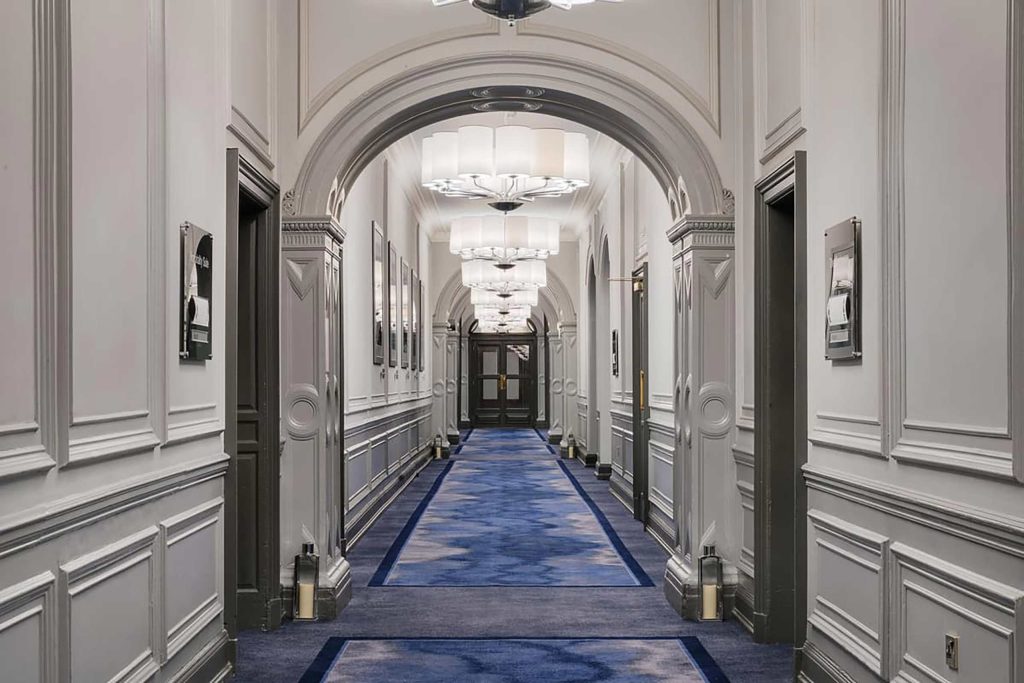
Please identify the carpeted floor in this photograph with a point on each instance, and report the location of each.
(493, 627)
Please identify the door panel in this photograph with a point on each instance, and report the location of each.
(502, 375)
(641, 402)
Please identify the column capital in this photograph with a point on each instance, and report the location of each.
(325, 225)
(717, 231)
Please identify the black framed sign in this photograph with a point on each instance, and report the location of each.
(414, 361)
(392, 306)
(378, 294)
(419, 299)
(195, 338)
(615, 353)
(406, 313)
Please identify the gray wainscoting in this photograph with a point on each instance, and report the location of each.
(621, 481)
(68, 564)
(661, 446)
(382, 452)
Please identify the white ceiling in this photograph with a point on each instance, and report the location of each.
(572, 211)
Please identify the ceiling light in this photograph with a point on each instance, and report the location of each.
(485, 297)
(504, 238)
(514, 10)
(502, 313)
(507, 166)
(485, 275)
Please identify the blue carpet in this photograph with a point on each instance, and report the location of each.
(499, 613)
(528, 660)
(508, 523)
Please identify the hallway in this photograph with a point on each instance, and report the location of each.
(507, 564)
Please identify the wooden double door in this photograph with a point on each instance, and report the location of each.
(503, 389)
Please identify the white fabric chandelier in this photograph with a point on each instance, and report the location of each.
(524, 275)
(504, 238)
(501, 313)
(508, 165)
(486, 297)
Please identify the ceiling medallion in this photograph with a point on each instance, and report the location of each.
(514, 10)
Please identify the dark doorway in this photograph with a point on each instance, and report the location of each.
(502, 370)
(780, 367)
(252, 400)
(641, 407)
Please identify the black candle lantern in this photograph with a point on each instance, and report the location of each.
(710, 579)
(307, 577)
(438, 446)
(571, 447)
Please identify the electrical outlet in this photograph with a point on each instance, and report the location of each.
(953, 651)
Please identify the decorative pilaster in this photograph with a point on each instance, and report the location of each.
(556, 413)
(312, 380)
(451, 385)
(438, 389)
(703, 267)
(570, 380)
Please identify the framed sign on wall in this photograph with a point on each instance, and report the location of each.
(378, 294)
(392, 306)
(414, 361)
(195, 338)
(406, 313)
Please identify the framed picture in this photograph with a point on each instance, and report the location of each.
(378, 294)
(615, 353)
(392, 306)
(420, 317)
(195, 342)
(406, 313)
(414, 351)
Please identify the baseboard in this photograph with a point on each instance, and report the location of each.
(453, 439)
(604, 471)
(554, 438)
(367, 513)
(661, 527)
(590, 459)
(818, 667)
(620, 488)
(330, 600)
(744, 610)
(212, 663)
(541, 424)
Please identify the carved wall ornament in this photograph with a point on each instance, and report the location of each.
(728, 202)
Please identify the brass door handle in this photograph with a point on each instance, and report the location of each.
(643, 377)
(502, 382)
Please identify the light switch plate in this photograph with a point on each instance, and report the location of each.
(953, 651)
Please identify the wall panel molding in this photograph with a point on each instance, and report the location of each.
(975, 606)
(1003, 533)
(859, 551)
(773, 137)
(969, 449)
(34, 599)
(97, 568)
(34, 526)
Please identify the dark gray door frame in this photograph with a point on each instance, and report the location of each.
(641, 404)
(780, 371)
(244, 180)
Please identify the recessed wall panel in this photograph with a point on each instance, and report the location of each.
(109, 206)
(955, 214)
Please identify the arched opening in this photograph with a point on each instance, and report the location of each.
(600, 356)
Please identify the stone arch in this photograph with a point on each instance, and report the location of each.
(607, 101)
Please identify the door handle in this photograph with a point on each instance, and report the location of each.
(643, 378)
(502, 382)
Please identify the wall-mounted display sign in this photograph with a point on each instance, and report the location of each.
(615, 353)
(406, 313)
(392, 306)
(195, 336)
(414, 362)
(378, 295)
(842, 310)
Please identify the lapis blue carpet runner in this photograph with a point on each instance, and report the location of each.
(504, 521)
(507, 564)
(514, 660)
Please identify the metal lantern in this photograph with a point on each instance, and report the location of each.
(710, 579)
(307, 577)
(572, 447)
(438, 446)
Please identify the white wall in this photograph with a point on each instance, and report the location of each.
(111, 459)
(914, 494)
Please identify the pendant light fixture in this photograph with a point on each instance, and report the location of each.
(485, 297)
(506, 166)
(514, 10)
(499, 313)
(525, 275)
(504, 239)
